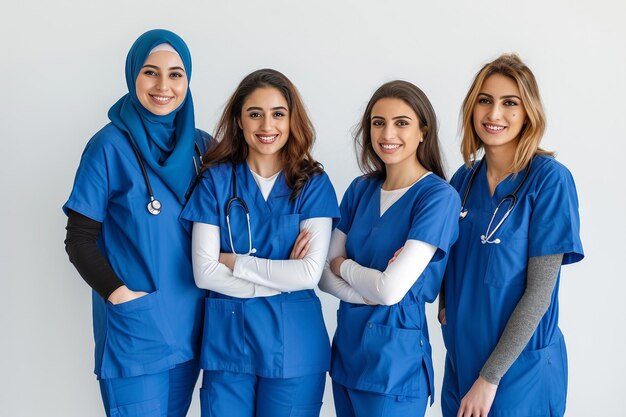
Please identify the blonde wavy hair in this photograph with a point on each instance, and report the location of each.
(509, 65)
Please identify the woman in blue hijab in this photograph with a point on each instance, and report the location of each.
(125, 239)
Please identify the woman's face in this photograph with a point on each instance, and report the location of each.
(265, 123)
(161, 85)
(395, 131)
(499, 114)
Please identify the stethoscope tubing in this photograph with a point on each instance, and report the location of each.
(154, 206)
(229, 204)
(486, 238)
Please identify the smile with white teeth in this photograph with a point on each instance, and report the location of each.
(161, 99)
(390, 146)
(266, 138)
(493, 128)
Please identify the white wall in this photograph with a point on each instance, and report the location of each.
(63, 66)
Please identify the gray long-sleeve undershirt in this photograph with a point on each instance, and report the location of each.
(540, 281)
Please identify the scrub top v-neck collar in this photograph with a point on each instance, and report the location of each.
(504, 188)
(374, 204)
(251, 192)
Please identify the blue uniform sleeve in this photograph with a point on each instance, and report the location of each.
(203, 205)
(554, 223)
(90, 194)
(318, 199)
(435, 219)
(347, 207)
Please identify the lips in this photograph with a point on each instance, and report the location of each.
(493, 129)
(266, 139)
(390, 147)
(161, 100)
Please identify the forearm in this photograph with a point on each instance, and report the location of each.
(85, 255)
(390, 286)
(336, 286)
(541, 279)
(332, 283)
(210, 274)
(290, 274)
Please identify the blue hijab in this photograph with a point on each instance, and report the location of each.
(166, 143)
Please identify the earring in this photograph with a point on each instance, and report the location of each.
(421, 140)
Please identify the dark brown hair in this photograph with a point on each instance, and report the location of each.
(428, 153)
(230, 146)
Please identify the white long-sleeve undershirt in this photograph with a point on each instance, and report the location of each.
(330, 282)
(258, 277)
(386, 287)
(290, 274)
(210, 274)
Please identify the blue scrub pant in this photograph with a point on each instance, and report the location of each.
(165, 394)
(244, 395)
(356, 403)
(450, 395)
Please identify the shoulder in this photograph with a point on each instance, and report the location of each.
(203, 139)
(460, 175)
(106, 140)
(218, 171)
(320, 179)
(362, 183)
(548, 172)
(434, 188)
(438, 185)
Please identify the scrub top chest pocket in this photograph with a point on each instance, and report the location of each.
(507, 261)
(289, 226)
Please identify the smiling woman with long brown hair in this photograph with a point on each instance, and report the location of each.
(263, 214)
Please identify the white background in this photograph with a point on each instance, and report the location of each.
(63, 67)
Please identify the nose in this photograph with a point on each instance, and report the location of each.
(162, 83)
(266, 124)
(389, 131)
(495, 112)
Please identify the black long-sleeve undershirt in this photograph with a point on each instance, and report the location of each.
(86, 256)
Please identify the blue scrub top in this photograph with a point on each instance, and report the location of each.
(148, 253)
(484, 283)
(384, 349)
(283, 336)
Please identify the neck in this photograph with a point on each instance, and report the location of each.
(499, 162)
(265, 165)
(403, 176)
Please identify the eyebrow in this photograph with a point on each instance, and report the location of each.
(507, 96)
(393, 118)
(157, 68)
(261, 109)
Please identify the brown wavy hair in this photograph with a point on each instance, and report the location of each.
(511, 66)
(230, 146)
(428, 153)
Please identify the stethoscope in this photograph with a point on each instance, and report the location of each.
(154, 206)
(229, 204)
(486, 238)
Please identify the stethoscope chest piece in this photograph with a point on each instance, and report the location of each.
(154, 206)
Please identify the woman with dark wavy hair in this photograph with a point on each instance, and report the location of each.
(387, 258)
(263, 213)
